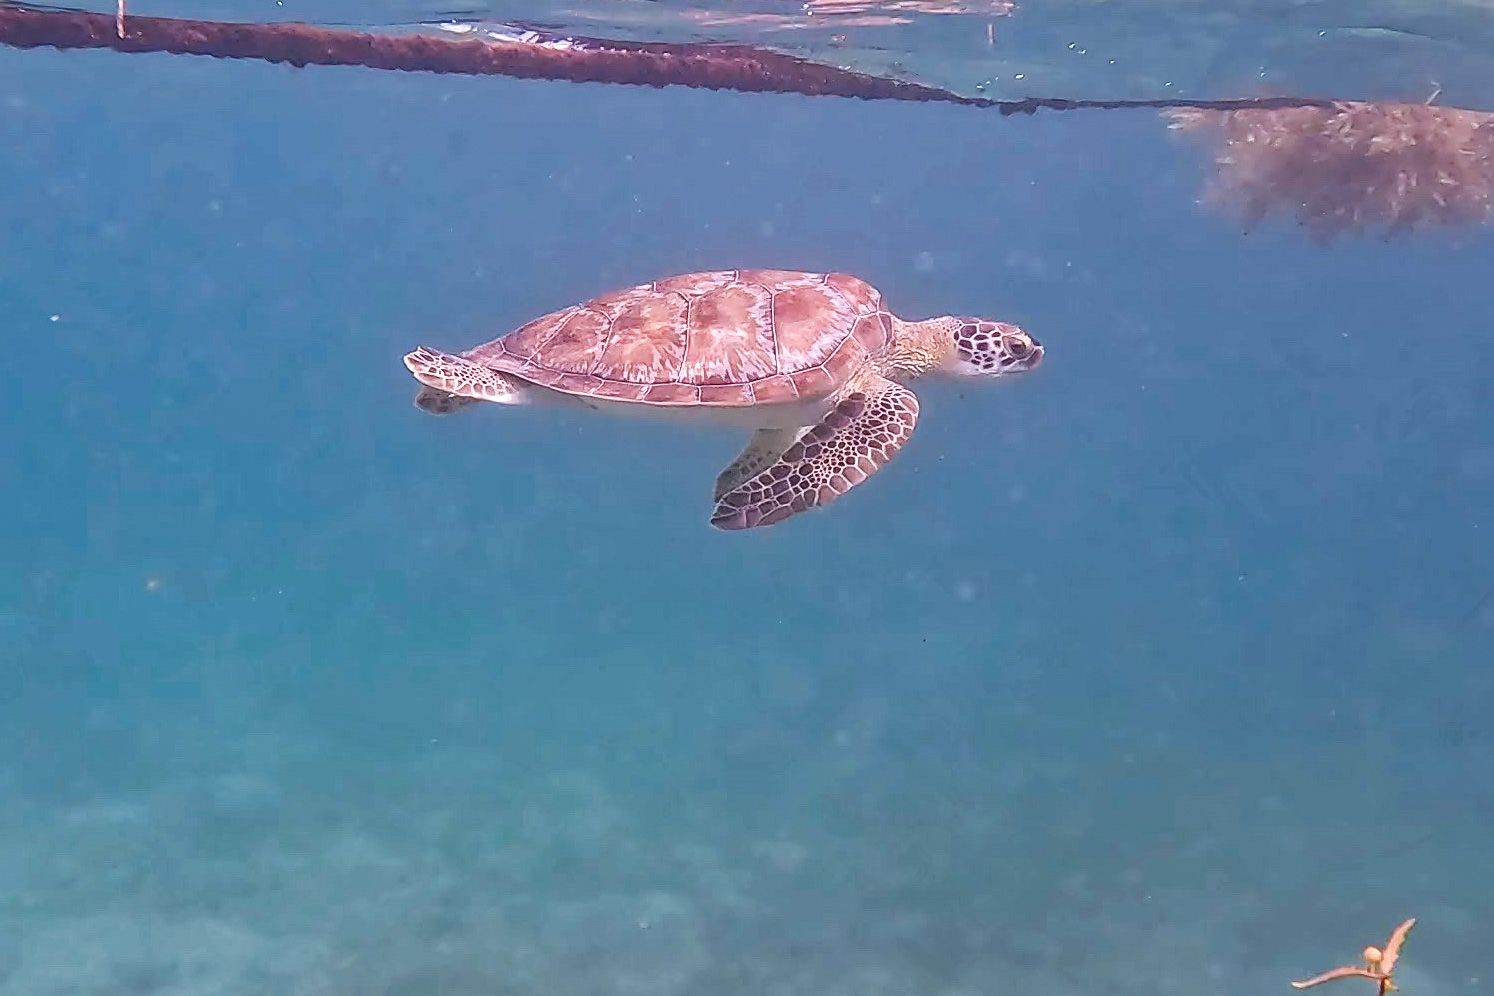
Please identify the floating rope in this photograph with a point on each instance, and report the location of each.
(739, 68)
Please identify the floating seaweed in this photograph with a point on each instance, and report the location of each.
(1379, 964)
(1350, 167)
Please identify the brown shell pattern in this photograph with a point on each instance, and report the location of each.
(728, 337)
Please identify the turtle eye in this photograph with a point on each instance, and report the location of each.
(1018, 348)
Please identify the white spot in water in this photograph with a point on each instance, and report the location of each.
(924, 262)
(55, 318)
(783, 855)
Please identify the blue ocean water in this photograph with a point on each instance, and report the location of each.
(1163, 669)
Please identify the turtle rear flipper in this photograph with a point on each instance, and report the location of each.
(434, 402)
(460, 379)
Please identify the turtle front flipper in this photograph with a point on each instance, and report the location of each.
(459, 377)
(858, 437)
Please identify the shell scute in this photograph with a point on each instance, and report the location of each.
(772, 279)
(576, 344)
(775, 389)
(809, 324)
(524, 342)
(695, 284)
(672, 394)
(726, 394)
(579, 383)
(619, 390)
(644, 346)
(874, 332)
(815, 382)
(730, 336)
(856, 291)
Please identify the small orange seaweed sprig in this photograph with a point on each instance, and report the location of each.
(1379, 963)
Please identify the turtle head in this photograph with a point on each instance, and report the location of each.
(982, 348)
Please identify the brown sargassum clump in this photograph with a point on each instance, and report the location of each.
(1351, 167)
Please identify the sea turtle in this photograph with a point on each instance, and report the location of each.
(811, 362)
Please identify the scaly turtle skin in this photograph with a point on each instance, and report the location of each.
(812, 362)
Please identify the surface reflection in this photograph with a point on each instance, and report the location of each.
(840, 14)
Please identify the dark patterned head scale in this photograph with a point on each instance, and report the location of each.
(993, 349)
